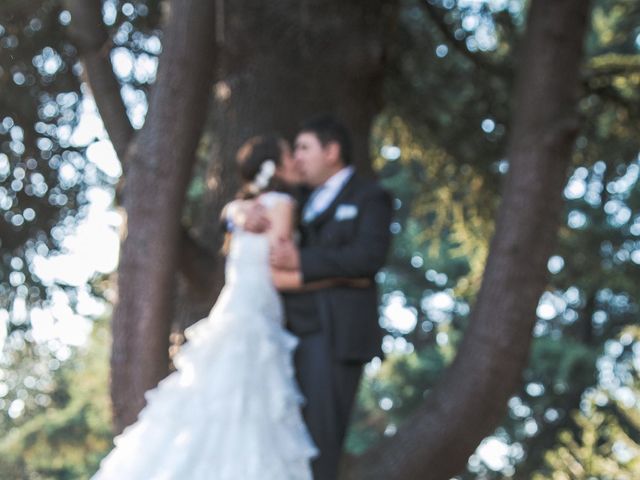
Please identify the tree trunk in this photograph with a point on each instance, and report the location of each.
(472, 396)
(281, 62)
(287, 60)
(200, 266)
(158, 168)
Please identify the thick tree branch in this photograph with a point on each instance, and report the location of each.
(93, 42)
(472, 397)
(92, 39)
(198, 264)
(159, 170)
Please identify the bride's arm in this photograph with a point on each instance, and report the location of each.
(280, 216)
(246, 214)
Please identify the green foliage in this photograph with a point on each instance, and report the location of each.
(44, 169)
(68, 439)
(604, 439)
(444, 212)
(391, 393)
(440, 147)
(41, 172)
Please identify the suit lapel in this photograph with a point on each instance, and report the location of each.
(330, 210)
(302, 195)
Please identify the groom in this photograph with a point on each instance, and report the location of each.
(344, 239)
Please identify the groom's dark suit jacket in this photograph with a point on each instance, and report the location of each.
(350, 239)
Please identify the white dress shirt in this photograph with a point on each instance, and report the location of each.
(326, 193)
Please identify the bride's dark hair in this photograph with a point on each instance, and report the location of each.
(251, 159)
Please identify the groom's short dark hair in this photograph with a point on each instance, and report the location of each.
(329, 129)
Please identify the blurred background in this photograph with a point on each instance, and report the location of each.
(434, 116)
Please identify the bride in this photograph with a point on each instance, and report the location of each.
(231, 410)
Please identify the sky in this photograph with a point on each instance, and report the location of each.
(92, 248)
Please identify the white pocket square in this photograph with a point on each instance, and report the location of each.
(346, 212)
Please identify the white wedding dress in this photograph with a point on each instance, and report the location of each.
(231, 410)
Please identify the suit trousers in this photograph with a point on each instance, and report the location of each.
(329, 387)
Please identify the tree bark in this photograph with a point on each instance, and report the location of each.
(287, 60)
(159, 167)
(199, 267)
(94, 45)
(472, 396)
(280, 63)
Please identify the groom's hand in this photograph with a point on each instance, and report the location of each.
(285, 255)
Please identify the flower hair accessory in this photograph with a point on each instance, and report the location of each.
(262, 178)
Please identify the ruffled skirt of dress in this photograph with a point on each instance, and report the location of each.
(230, 411)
